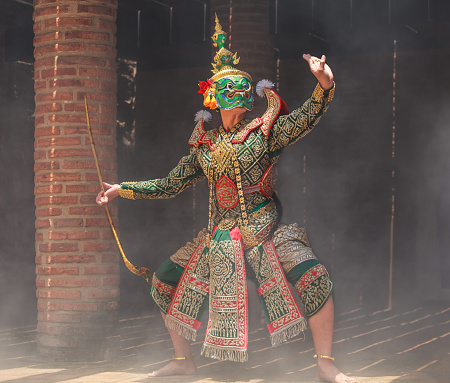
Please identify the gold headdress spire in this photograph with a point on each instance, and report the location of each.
(224, 60)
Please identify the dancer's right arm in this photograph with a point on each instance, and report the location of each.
(186, 173)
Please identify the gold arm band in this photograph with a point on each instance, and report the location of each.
(178, 358)
(318, 93)
(323, 357)
(126, 193)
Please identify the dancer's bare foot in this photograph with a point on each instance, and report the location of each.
(328, 372)
(176, 367)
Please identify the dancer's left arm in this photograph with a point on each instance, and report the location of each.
(290, 128)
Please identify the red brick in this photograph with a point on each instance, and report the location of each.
(59, 200)
(94, 72)
(80, 108)
(44, 62)
(59, 48)
(83, 258)
(39, 237)
(72, 282)
(100, 48)
(107, 234)
(41, 223)
(73, 82)
(107, 24)
(88, 199)
(103, 222)
(38, 260)
(48, 108)
(47, 37)
(49, 165)
(57, 11)
(48, 212)
(82, 188)
(108, 177)
(40, 282)
(99, 270)
(68, 222)
(109, 86)
(107, 11)
(58, 247)
(69, 118)
(111, 281)
(54, 72)
(108, 109)
(37, 27)
(114, 305)
(58, 141)
(51, 177)
(78, 331)
(86, 210)
(54, 153)
(51, 131)
(53, 330)
(109, 257)
(48, 189)
(100, 294)
(99, 246)
(71, 306)
(80, 164)
(68, 21)
(40, 85)
(109, 154)
(57, 271)
(58, 294)
(56, 235)
(68, 130)
(86, 35)
(54, 96)
(59, 318)
(82, 60)
(96, 96)
(108, 120)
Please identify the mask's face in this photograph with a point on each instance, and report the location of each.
(234, 91)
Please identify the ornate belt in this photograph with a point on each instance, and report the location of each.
(228, 223)
(227, 193)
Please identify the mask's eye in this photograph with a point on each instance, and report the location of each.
(230, 86)
(247, 86)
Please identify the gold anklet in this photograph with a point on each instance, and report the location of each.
(323, 357)
(179, 358)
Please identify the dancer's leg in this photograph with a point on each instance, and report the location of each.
(178, 366)
(321, 325)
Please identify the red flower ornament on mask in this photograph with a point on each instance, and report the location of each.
(204, 86)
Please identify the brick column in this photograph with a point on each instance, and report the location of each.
(247, 24)
(76, 257)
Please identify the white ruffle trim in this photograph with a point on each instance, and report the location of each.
(203, 115)
(263, 84)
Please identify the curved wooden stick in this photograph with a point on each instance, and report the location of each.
(142, 271)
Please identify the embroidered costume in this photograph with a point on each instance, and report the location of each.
(244, 237)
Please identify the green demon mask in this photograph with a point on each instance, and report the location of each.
(234, 91)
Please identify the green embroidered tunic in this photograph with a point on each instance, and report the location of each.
(256, 149)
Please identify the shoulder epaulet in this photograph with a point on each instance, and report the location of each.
(198, 133)
(275, 107)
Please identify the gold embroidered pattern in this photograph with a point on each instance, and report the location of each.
(290, 128)
(316, 294)
(181, 257)
(162, 293)
(292, 245)
(197, 135)
(126, 193)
